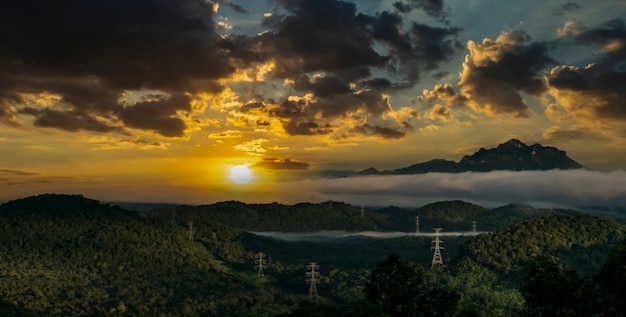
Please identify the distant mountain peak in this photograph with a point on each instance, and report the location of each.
(515, 143)
(517, 156)
(513, 155)
(369, 171)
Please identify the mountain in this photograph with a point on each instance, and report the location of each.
(499, 260)
(67, 255)
(458, 215)
(275, 217)
(369, 171)
(517, 156)
(512, 155)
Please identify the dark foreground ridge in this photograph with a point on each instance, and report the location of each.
(512, 155)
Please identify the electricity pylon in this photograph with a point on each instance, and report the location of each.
(362, 211)
(417, 224)
(474, 226)
(190, 230)
(437, 259)
(312, 278)
(260, 261)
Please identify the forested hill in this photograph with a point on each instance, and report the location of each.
(458, 215)
(491, 268)
(276, 217)
(451, 215)
(67, 255)
(580, 241)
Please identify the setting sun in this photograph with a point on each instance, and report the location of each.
(240, 174)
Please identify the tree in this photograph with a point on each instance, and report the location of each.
(400, 288)
(549, 290)
(612, 282)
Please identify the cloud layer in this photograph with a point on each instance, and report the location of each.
(572, 188)
(594, 94)
(86, 55)
(72, 66)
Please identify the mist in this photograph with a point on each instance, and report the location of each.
(334, 235)
(554, 188)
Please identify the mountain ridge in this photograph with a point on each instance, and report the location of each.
(512, 155)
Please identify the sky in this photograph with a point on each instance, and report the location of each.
(158, 100)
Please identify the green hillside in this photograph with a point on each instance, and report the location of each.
(67, 255)
(70, 256)
(274, 216)
(492, 265)
(454, 215)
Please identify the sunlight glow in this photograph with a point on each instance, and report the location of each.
(240, 174)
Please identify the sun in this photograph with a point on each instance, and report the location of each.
(240, 174)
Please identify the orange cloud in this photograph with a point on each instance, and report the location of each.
(592, 95)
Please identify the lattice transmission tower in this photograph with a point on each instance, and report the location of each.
(312, 278)
(190, 230)
(474, 226)
(261, 263)
(417, 224)
(437, 258)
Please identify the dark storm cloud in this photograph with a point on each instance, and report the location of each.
(326, 50)
(281, 164)
(325, 35)
(89, 54)
(127, 44)
(571, 78)
(433, 44)
(333, 37)
(315, 117)
(382, 132)
(595, 94)
(323, 87)
(422, 47)
(495, 72)
(611, 36)
(88, 51)
(66, 120)
(595, 88)
(301, 126)
(158, 115)
(380, 83)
